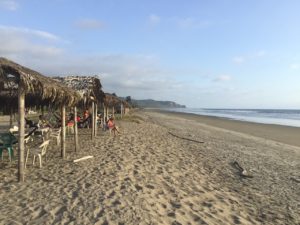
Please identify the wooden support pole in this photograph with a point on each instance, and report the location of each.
(121, 110)
(113, 112)
(103, 116)
(11, 118)
(96, 119)
(93, 120)
(21, 166)
(75, 130)
(63, 131)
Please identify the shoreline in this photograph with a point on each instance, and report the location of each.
(280, 133)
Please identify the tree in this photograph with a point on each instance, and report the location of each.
(128, 99)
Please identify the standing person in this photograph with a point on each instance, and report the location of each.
(112, 126)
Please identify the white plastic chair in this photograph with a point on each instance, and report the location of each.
(56, 134)
(13, 130)
(40, 151)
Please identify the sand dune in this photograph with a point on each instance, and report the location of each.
(148, 176)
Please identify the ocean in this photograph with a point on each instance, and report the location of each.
(288, 117)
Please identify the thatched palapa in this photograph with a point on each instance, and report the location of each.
(111, 100)
(39, 90)
(89, 87)
(20, 87)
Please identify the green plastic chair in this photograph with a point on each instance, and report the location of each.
(7, 140)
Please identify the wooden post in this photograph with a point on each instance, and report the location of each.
(21, 168)
(103, 116)
(10, 119)
(75, 129)
(63, 131)
(113, 112)
(96, 126)
(121, 110)
(106, 111)
(93, 119)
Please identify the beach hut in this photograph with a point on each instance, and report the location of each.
(20, 87)
(90, 89)
(111, 101)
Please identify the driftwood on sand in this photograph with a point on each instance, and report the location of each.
(242, 172)
(184, 138)
(83, 158)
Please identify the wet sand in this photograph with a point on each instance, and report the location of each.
(285, 134)
(157, 171)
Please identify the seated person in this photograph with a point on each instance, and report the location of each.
(29, 123)
(112, 126)
(86, 114)
(42, 122)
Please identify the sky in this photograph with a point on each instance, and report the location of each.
(200, 53)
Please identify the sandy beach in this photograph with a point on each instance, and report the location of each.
(164, 168)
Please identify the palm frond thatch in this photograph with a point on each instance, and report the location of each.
(111, 100)
(38, 89)
(89, 87)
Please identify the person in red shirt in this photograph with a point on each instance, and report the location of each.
(112, 126)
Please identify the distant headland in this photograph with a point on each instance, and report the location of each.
(150, 103)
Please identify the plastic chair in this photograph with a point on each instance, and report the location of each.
(56, 134)
(40, 151)
(7, 140)
(13, 130)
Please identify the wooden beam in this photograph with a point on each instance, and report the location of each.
(75, 130)
(63, 131)
(21, 101)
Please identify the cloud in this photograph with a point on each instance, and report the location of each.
(188, 23)
(295, 66)
(261, 53)
(252, 56)
(10, 30)
(25, 44)
(137, 75)
(9, 5)
(154, 19)
(238, 59)
(89, 24)
(222, 78)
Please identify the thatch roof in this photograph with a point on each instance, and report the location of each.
(111, 100)
(38, 88)
(87, 86)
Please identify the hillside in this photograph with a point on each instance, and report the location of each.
(150, 103)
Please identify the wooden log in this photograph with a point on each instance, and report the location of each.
(75, 129)
(83, 158)
(63, 131)
(21, 165)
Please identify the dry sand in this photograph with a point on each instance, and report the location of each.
(148, 176)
